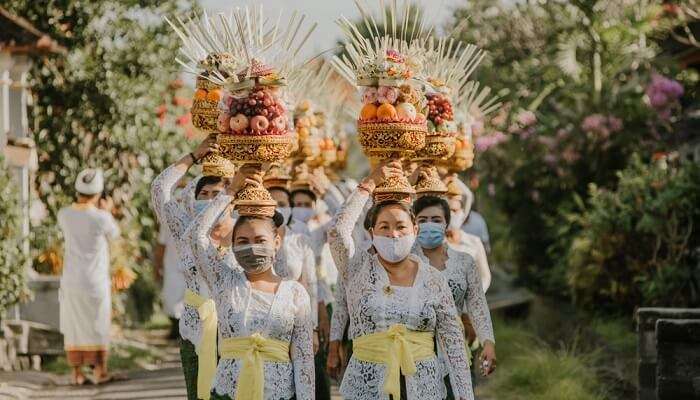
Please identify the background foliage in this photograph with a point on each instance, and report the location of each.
(111, 102)
(638, 243)
(585, 85)
(12, 259)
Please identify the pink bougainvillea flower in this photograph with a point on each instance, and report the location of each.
(484, 143)
(526, 118)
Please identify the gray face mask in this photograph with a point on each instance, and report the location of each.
(254, 258)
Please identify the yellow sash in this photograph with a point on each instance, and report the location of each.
(253, 351)
(207, 345)
(399, 348)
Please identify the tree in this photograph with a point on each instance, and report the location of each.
(575, 78)
(108, 103)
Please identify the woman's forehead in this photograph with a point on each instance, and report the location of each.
(392, 213)
(432, 211)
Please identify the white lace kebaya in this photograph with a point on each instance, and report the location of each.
(465, 284)
(295, 260)
(242, 312)
(374, 306)
(177, 212)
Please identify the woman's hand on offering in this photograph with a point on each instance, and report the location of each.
(207, 146)
(246, 175)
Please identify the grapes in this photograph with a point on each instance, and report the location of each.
(260, 101)
(439, 108)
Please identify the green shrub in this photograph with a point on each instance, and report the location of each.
(13, 285)
(637, 244)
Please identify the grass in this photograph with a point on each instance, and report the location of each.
(528, 368)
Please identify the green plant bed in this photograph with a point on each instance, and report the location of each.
(529, 368)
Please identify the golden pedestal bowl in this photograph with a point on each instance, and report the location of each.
(438, 146)
(384, 140)
(256, 149)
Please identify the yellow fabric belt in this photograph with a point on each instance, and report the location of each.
(399, 348)
(253, 350)
(206, 348)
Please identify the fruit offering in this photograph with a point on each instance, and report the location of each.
(259, 112)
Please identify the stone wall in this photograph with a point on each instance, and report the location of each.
(667, 353)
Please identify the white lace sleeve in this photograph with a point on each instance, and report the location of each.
(340, 237)
(302, 352)
(163, 187)
(476, 306)
(340, 318)
(309, 278)
(450, 334)
(202, 248)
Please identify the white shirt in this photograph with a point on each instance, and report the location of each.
(86, 231)
(173, 294)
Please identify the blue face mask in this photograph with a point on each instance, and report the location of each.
(431, 234)
(201, 205)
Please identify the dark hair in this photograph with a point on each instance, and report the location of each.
(304, 191)
(205, 181)
(431, 201)
(275, 222)
(371, 217)
(283, 190)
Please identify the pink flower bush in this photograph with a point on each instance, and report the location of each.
(601, 125)
(526, 118)
(662, 94)
(484, 143)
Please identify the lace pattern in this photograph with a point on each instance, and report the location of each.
(295, 261)
(464, 281)
(177, 213)
(426, 306)
(288, 319)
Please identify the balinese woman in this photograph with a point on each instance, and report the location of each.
(177, 214)
(265, 327)
(433, 217)
(397, 305)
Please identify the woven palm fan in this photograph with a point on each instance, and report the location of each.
(387, 66)
(254, 125)
(449, 64)
(206, 56)
(473, 105)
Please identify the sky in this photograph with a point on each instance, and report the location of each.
(325, 12)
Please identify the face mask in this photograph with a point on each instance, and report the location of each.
(302, 214)
(393, 250)
(431, 234)
(254, 258)
(456, 220)
(286, 213)
(201, 205)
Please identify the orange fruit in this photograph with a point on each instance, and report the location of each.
(369, 111)
(214, 95)
(458, 144)
(200, 94)
(386, 110)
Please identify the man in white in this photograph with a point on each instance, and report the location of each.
(85, 301)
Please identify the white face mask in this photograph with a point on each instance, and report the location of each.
(393, 250)
(286, 213)
(303, 214)
(456, 220)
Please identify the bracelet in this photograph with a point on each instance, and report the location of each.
(194, 159)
